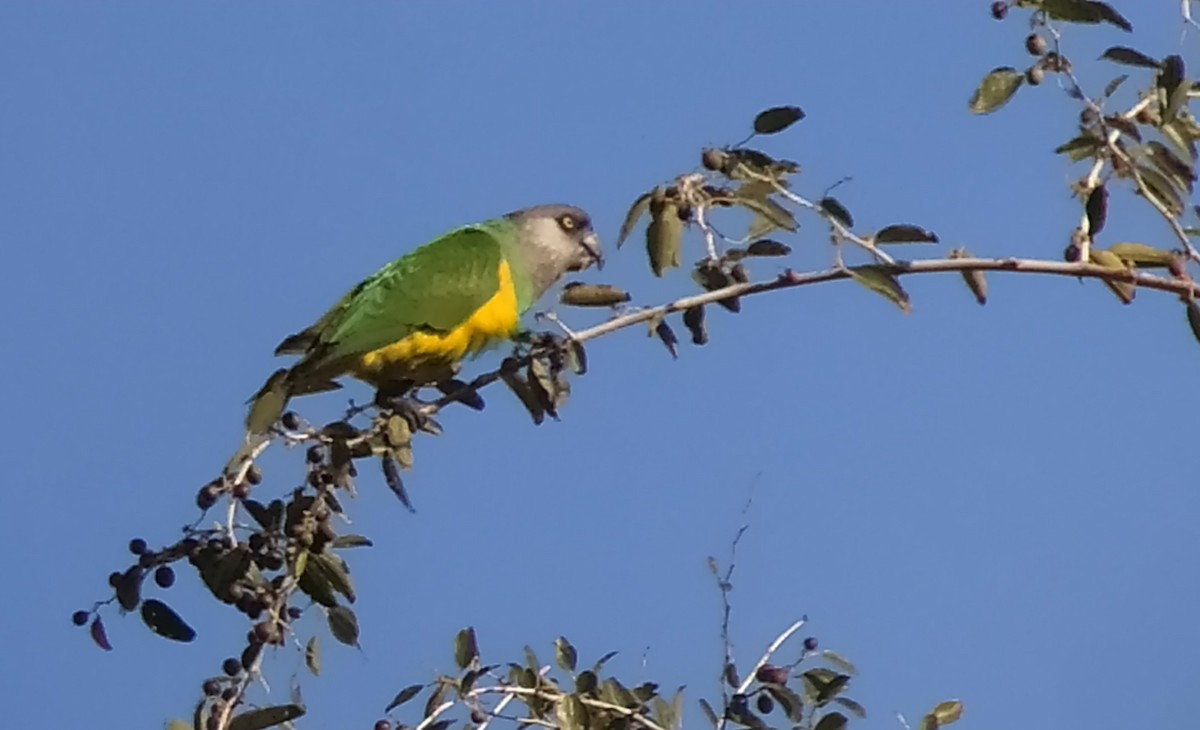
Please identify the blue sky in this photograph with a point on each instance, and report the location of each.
(995, 504)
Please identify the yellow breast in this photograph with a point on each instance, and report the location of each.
(421, 352)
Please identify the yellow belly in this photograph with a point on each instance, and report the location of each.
(424, 356)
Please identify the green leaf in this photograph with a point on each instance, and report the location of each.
(1161, 187)
(837, 211)
(1085, 11)
(664, 235)
(639, 208)
(1080, 148)
(776, 119)
(1125, 290)
(839, 661)
(1129, 57)
(947, 712)
(905, 233)
(349, 541)
(770, 212)
(332, 568)
(586, 682)
(831, 721)
(403, 696)
(266, 717)
(1171, 82)
(768, 247)
(163, 621)
(179, 725)
(881, 281)
(570, 713)
(466, 648)
(343, 624)
(531, 659)
(693, 319)
(996, 89)
(578, 294)
(1143, 256)
(564, 654)
(791, 703)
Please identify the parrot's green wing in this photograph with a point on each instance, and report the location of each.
(435, 288)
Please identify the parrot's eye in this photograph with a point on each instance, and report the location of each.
(568, 223)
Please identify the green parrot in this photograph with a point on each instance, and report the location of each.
(413, 321)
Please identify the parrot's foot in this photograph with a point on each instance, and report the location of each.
(408, 407)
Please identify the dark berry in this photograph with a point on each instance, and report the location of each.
(264, 632)
(290, 420)
(294, 613)
(212, 688)
(1035, 44)
(478, 716)
(214, 721)
(254, 474)
(207, 496)
(810, 644)
(771, 674)
(229, 693)
(1034, 75)
(79, 618)
(765, 704)
(315, 455)
(999, 10)
(114, 578)
(137, 546)
(231, 666)
(241, 490)
(164, 576)
(712, 159)
(383, 725)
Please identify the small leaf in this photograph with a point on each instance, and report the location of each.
(839, 661)
(577, 294)
(564, 654)
(881, 281)
(974, 278)
(668, 338)
(1097, 209)
(332, 568)
(180, 725)
(1129, 57)
(1143, 256)
(403, 696)
(791, 703)
(163, 621)
(343, 624)
(904, 233)
(1111, 87)
(730, 675)
(1170, 81)
(709, 713)
(996, 89)
(1084, 11)
(713, 278)
(693, 319)
(570, 713)
(266, 717)
(768, 247)
(837, 211)
(576, 356)
(602, 661)
(1158, 186)
(312, 655)
(854, 707)
(266, 406)
(777, 119)
(99, 635)
(831, 721)
(636, 211)
(1080, 148)
(349, 541)
(947, 712)
(664, 235)
(466, 648)
(1125, 290)
(1193, 318)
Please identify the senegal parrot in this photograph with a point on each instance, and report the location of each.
(413, 321)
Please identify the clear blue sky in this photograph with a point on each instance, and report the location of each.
(996, 504)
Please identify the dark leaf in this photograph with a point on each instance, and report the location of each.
(531, 660)
(1170, 165)
(100, 636)
(1111, 87)
(791, 703)
(391, 475)
(851, 705)
(710, 713)
(1080, 148)
(331, 568)
(837, 211)
(769, 211)
(163, 621)
(1158, 186)
(462, 393)
(266, 717)
(1128, 128)
(129, 588)
(312, 655)
(667, 335)
(1085, 11)
(712, 277)
(587, 682)
(636, 211)
(996, 89)
(403, 696)
(349, 541)
(1097, 209)
(520, 387)
(466, 648)
(768, 247)
(1129, 57)
(747, 164)
(436, 697)
(831, 721)
(730, 675)
(564, 654)
(577, 294)
(343, 624)
(777, 119)
(904, 233)
(259, 512)
(575, 356)
(1170, 81)
(693, 319)
(314, 584)
(602, 661)
(1193, 318)
(570, 713)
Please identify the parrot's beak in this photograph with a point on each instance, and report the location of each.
(591, 244)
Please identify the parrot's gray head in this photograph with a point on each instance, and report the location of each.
(556, 239)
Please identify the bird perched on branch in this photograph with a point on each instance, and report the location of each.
(412, 322)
